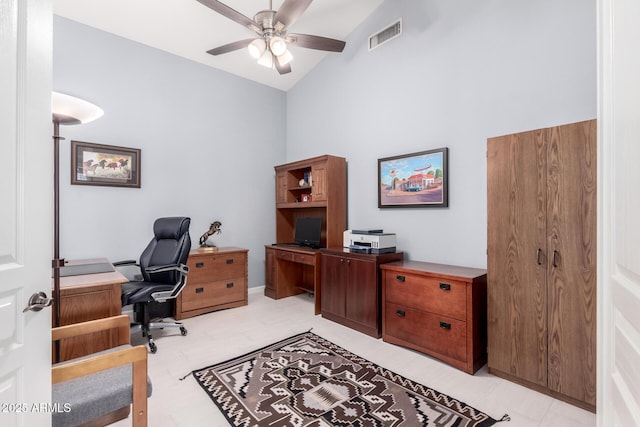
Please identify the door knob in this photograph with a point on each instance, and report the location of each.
(37, 302)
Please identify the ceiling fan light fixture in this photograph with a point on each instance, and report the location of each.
(270, 48)
(277, 45)
(257, 48)
(266, 60)
(285, 58)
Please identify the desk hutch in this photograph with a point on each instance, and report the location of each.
(315, 187)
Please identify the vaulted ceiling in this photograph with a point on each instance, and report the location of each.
(188, 29)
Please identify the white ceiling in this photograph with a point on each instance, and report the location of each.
(188, 29)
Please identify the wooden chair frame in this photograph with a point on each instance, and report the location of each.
(137, 356)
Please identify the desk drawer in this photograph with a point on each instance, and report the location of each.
(284, 255)
(204, 269)
(445, 297)
(439, 334)
(304, 259)
(201, 295)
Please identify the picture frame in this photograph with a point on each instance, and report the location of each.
(414, 180)
(104, 165)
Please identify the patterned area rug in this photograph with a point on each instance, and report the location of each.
(308, 381)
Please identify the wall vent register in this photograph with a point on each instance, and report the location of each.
(385, 35)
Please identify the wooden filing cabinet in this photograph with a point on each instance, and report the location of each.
(217, 279)
(438, 309)
(351, 293)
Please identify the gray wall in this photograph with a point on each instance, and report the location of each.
(462, 71)
(209, 141)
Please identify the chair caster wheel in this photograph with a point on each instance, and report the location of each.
(153, 347)
(183, 331)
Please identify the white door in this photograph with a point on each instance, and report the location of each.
(619, 213)
(26, 210)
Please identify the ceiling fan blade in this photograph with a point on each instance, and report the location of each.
(289, 13)
(316, 42)
(230, 13)
(230, 47)
(282, 69)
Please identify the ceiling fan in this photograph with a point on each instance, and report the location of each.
(270, 47)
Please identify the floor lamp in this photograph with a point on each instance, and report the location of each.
(66, 110)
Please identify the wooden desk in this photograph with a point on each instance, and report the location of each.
(89, 297)
(292, 270)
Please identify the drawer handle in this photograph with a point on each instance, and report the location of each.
(445, 286)
(199, 290)
(400, 313)
(230, 261)
(199, 264)
(445, 325)
(400, 278)
(230, 285)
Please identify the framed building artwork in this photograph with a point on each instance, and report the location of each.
(414, 180)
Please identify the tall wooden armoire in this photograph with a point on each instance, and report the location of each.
(541, 266)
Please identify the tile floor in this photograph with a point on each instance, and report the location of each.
(218, 336)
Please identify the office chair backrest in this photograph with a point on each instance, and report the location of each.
(171, 244)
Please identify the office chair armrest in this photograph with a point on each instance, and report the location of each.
(163, 296)
(183, 269)
(127, 262)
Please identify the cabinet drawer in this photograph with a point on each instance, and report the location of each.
(433, 332)
(445, 297)
(201, 295)
(216, 267)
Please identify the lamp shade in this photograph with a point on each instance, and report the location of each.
(285, 58)
(266, 60)
(69, 110)
(277, 45)
(256, 48)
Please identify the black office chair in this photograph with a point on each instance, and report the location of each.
(164, 275)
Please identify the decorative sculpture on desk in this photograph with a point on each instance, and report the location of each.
(214, 228)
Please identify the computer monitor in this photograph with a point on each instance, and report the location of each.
(308, 231)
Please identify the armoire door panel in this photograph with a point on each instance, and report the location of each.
(517, 254)
(571, 225)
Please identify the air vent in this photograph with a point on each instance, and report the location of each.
(386, 34)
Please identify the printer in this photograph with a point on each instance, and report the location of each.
(369, 241)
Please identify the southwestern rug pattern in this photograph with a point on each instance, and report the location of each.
(307, 381)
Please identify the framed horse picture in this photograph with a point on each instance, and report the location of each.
(105, 165)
